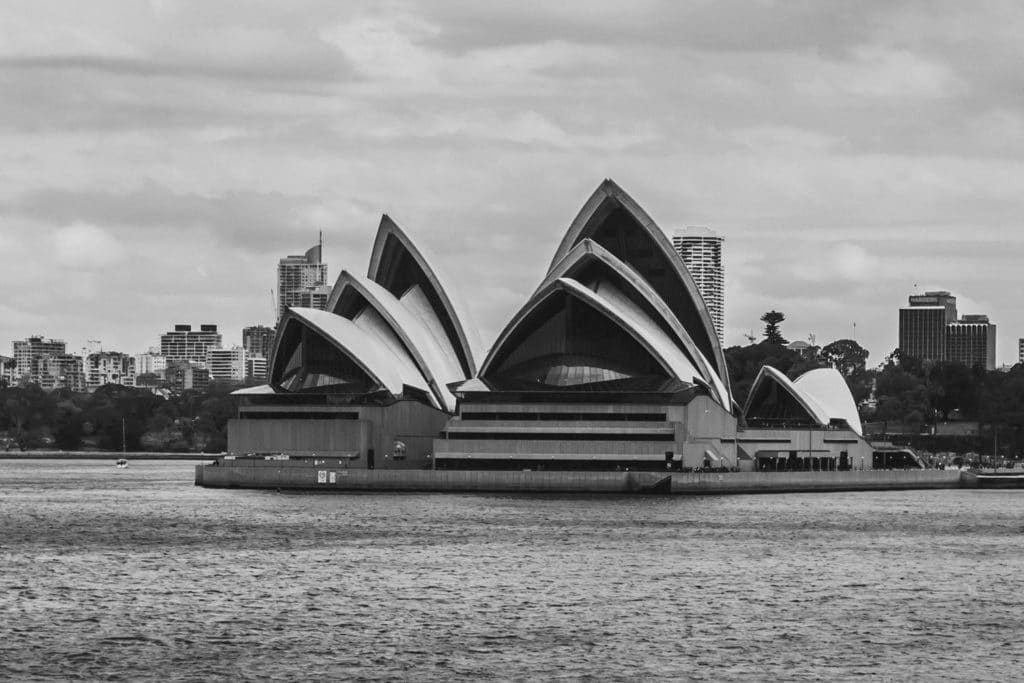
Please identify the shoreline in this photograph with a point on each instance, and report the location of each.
(103, 455)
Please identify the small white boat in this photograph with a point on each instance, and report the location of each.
(122, 464)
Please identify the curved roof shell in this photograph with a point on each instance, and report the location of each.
(432, 356)
(613, 305)
(767, 375)
(386, 366)
(588, 260)
(829, 390)
(613, 219)
(397, 265)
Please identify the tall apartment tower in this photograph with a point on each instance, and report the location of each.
(701, 250)
(923, 325)
(971, 340)
(1020, 350)
(185, 344)
(302, 280)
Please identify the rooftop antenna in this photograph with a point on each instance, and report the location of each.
(855, 331)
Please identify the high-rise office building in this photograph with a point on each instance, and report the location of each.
(302, 281)
(931, 332)
(1020, 350)
(701, 250)
(972, 341)
(923, 325)
(185, 344)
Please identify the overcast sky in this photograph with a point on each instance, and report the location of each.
(157, 159)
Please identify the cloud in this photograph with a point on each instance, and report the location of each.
(82, 246)
(878, 72)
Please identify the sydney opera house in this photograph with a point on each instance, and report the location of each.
(611, 364)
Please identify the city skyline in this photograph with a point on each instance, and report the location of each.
(846, 154)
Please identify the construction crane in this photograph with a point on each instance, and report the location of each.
(750, 336)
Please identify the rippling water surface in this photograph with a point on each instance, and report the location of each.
(136, 574)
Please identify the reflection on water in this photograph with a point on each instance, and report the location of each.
(137, 574)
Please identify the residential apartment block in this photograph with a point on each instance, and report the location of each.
(185, 344)
(109, 367)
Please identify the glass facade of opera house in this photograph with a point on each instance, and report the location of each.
(612, 363)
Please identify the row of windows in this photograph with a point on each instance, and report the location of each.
(284, 415)
(605, 417)
(520, 436)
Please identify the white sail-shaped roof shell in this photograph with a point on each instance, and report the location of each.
(686, 300)
(587, 251)
(615, 306)
(367, 342)
(829, 390)
(390, 245)
(409, 320)
(809, 404)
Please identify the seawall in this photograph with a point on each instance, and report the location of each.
(287, 475)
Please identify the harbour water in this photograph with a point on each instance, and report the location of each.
(136, 574)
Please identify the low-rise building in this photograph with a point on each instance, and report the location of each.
(150, 363)
(184, 376)
(226, 365)
(61, 371)
(255, 369)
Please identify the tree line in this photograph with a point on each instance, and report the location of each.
(115, 418)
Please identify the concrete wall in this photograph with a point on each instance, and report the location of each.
(328, 476)
(819, 443)
(378, 427)
(333, 438)
(325, 477)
